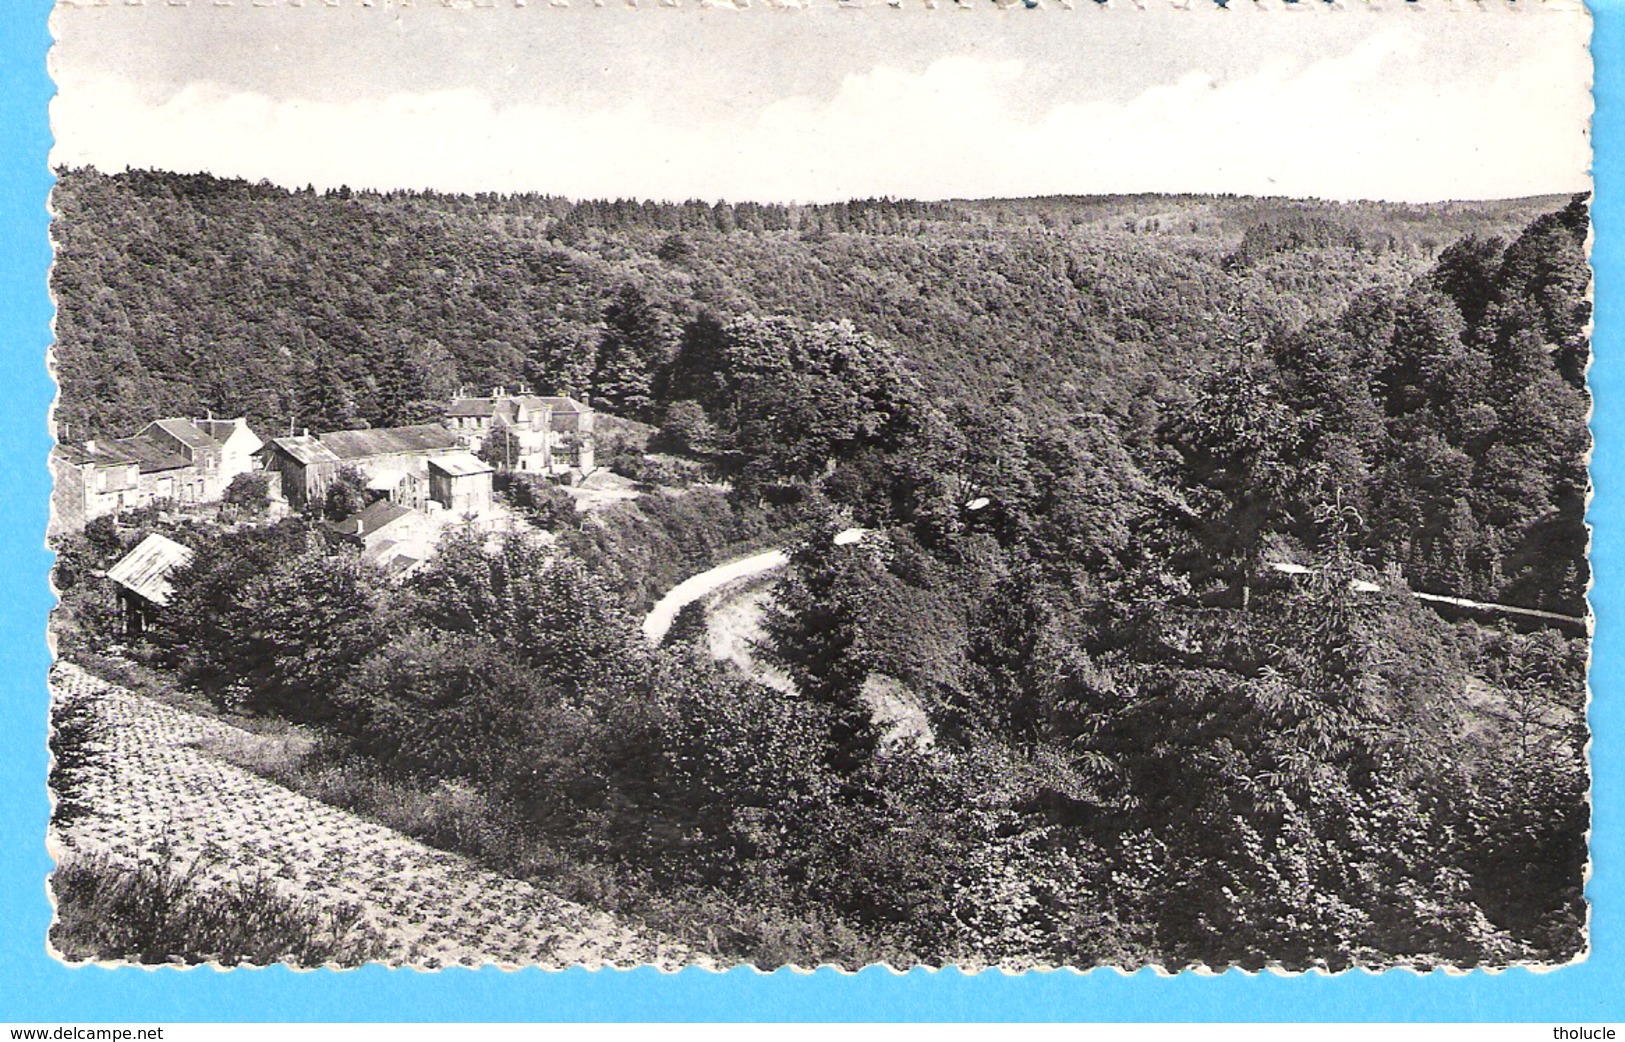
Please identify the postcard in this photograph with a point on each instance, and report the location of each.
(1007, 487)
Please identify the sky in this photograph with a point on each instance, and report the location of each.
(1451, 100)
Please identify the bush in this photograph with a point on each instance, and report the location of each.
(346, 494)
(78, 753)
(687, 627)
(540, 501)
(80, 555)
(652, 470)
(249, 493)
(166, 913)
(644, 548)
(445, 704)
(265, 620)
(88, 620)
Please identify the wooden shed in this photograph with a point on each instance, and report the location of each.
(142, 579)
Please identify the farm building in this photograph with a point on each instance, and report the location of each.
(460, 483)
(142, 580)
(394, 460)
(170, 461)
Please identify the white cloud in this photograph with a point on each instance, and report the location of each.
(1373, 122)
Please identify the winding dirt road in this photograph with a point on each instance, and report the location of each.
(660, 617)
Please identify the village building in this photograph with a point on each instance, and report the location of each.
(420, 467)
(460, 483)
(141, 579)
(395, 538)
(176, 462)
(544, 434)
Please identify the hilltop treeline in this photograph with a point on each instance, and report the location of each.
(184, 294)
(1077, 451)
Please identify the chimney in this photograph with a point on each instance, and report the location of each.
(304, 432)
(360, 527)
(90, 446)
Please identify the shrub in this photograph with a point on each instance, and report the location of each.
(264, 621)
(250, 493)
(82, 554)
(539, 500)
(643, 548)
(88, 619)
(166, 913)
(346, 494)
(688, 626)
(77, 753)
(651, 470)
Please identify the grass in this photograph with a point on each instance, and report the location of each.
(462, 820)
(167, 913)
(163, 687)
(449, 817)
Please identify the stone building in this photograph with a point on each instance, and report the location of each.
(170, 462)
(418, 467)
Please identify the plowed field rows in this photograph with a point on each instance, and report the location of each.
(162, 793)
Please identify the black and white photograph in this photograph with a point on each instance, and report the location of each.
(1000, 486)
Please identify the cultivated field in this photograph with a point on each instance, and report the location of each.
(163, 796)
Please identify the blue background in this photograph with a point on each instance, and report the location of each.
(35, 988)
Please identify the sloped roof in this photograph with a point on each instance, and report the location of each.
(384, 441)
(459, 465)
(184, 431)
(74, 454)
(222, 430)
(146, 569)
(305, 448)
(372, 518)
(149, 455)
(471, 407)
(396, 560)
(560, 404)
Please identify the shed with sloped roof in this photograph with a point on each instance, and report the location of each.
(395, 458)
(142, 579)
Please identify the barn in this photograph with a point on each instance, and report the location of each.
(395, 458)
(460, 483)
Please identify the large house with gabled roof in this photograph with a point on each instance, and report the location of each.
(546, 434)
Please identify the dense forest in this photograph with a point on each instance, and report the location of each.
(341, 309)
(1078, 432)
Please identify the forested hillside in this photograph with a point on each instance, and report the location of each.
(1078, 432)
(1444, 371)
(329, 310)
